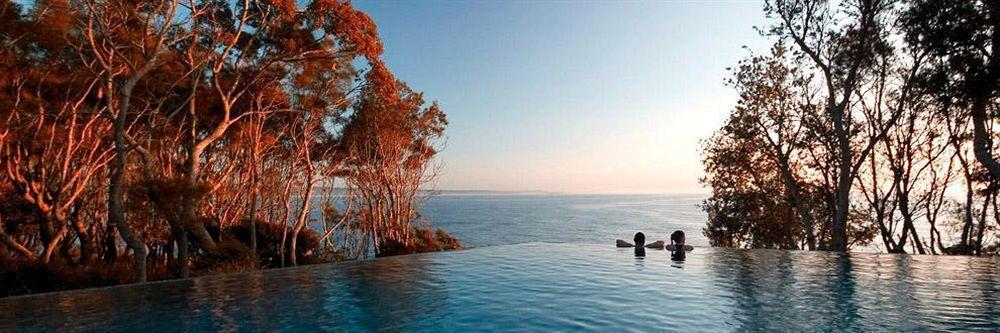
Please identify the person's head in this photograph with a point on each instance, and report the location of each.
(639, 239)
(677, 237)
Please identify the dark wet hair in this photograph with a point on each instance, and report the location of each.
(639, 239)
(675, 238)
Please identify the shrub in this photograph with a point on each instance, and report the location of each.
(231, 255)
(424, 240)
(19, 276)
(269, 243)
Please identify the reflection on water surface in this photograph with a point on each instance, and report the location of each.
(543, 287)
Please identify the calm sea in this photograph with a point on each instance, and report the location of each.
(501, 219)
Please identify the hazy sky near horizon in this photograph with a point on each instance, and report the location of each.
(581, 96)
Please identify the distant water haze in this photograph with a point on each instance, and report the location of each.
(500, 219)
(488, 218)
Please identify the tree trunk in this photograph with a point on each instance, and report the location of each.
(116, 208)
(11, 243)
(969, 203)
(300, 221)
(87, 242)
(908, 229)
(110, 244)
(116, 214)
(191, 222)
(844, 182)
(795, 195)
(183, 254)
(982, 223)
(53, 244)
(983, 144)
(192, 171)
(253, 222)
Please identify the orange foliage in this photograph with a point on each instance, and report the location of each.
(215, 124)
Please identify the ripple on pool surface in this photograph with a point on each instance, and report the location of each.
(544, 287)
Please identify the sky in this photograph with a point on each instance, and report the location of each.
(571, 96)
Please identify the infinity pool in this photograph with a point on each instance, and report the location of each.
(551, 287)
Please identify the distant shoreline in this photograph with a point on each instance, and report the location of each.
(340, 190)
(486, 192)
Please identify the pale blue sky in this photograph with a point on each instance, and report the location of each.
(588, 96)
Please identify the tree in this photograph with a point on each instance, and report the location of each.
(763, 164)
(962, 39)
(964, 36)
(841, 45)
(387, 146)
(892, 132)
(150, 123)
(776, 99)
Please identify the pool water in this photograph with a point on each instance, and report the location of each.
(551, 287)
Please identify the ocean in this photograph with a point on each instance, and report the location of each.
(502, 219)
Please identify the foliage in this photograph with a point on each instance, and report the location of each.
(862, 128)
(425, 240)
(388, 146)
(176, 135)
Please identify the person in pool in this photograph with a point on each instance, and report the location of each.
(678, 250)
(640, 242)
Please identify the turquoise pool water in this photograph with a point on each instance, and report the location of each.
(551, 287)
